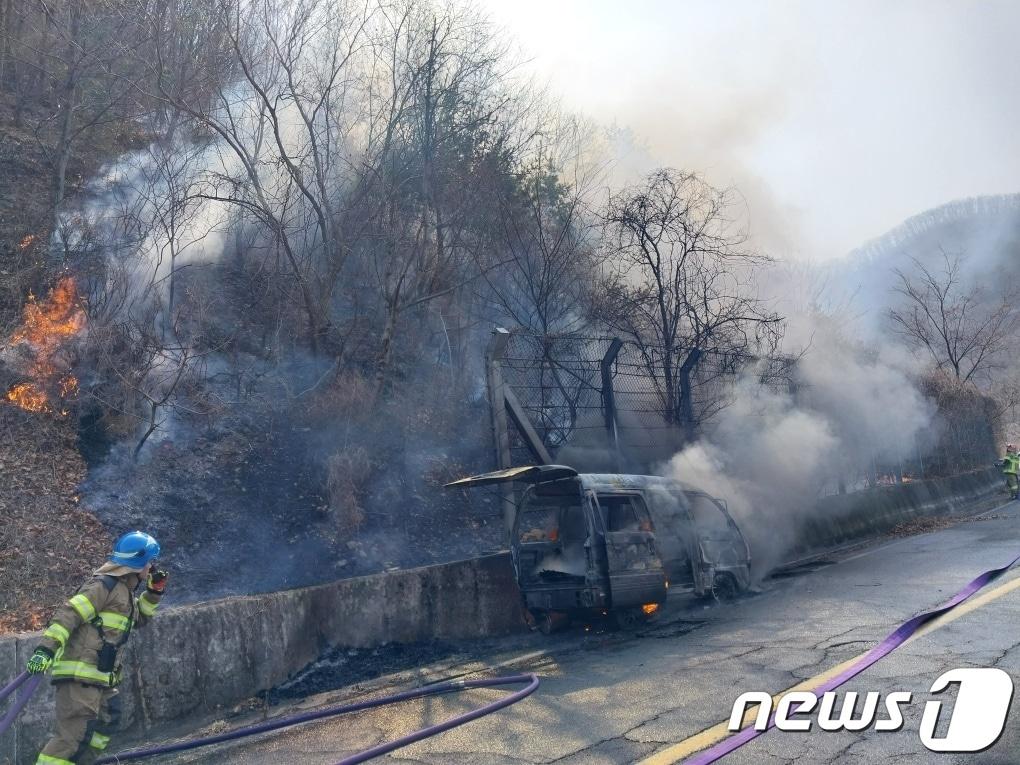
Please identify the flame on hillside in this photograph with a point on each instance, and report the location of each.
(45, 329)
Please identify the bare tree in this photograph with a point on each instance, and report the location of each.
(679, 286)
(433, 136)
(966, 332)
(73, 51)
(284, 130)
(546, 236)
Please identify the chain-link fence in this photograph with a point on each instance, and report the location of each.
(558, 382)
(602, 404)
(606, 404)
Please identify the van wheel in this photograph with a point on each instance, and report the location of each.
(630, 618)
(724, 587)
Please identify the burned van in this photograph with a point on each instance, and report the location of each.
(583, 542)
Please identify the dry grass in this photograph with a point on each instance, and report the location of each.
(348, 470)
(48, 543)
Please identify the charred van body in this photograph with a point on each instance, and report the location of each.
(583, 542)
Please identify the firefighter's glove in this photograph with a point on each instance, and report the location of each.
(156, 582)
(41, 660)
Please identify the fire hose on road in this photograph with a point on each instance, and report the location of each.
(450, 686)
(453, 686)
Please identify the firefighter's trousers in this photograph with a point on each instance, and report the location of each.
(86, 714)
(1011, 484)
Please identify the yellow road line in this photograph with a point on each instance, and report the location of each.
(716, 733)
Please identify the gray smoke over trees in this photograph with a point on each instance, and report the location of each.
(305, 260)
(850, 419)
(960, 261)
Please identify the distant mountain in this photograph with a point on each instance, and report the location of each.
(987, 226)
(984, 229)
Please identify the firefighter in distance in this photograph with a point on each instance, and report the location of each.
(1010, 465)
(80, 647)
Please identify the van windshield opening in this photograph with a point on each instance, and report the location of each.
(708, 516)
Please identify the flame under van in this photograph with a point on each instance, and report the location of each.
(586, 542)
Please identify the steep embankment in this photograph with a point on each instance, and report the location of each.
(48, 543)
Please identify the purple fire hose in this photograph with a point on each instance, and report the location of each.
(883, 649)
(286, 722)
(453, 722)
(27, 689)
(8, 689)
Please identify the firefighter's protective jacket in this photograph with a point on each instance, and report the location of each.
(104, 610)
(1011, 463)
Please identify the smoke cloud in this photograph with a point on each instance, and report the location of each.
(771, 454)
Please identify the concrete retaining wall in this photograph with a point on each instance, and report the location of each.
(195, 659)
(849, 517)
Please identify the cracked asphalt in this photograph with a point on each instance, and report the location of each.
(619, 697)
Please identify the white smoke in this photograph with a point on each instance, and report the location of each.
(771, 455)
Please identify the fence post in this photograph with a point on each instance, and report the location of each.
(500, 428)
(609, 399)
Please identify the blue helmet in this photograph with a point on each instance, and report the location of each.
(134, 550)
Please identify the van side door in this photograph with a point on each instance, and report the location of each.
(636, 575)
(674, 536)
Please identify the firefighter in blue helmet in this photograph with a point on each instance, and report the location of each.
(80, 648)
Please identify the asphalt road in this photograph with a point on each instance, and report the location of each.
(623, 698)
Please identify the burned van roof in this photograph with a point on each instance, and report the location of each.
(607, 481)
(544, 474)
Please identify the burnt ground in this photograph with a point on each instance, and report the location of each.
(239, 508)
(48, 542)
(340, 668)
(243, 508)
(343, 667)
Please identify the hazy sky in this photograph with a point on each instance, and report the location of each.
(836, 120)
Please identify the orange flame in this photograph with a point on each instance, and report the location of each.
(26, 241)
(45, 328)
(650, 608)
(29, 397)
(68, 386)
(48, 324)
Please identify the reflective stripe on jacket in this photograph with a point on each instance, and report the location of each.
(1011, 463)
(74, 636)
